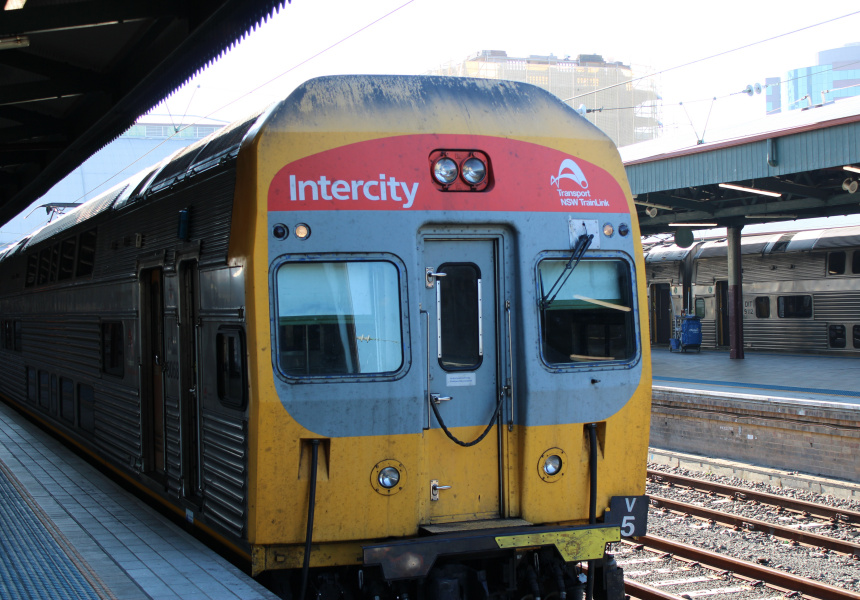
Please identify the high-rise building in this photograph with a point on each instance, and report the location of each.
(836, 76)
(626, 110)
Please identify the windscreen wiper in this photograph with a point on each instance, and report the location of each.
(582, 244)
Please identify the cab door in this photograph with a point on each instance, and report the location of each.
(461, 300)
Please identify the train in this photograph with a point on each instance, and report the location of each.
(801, 290)
(382, 338)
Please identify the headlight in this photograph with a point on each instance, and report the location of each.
(474, 171)
(608, 229)
(389, 477)
(302, 231)
(445, 170)
(552, 465)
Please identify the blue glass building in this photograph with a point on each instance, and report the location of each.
(836, 76)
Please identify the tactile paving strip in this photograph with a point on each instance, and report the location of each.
(33, 561)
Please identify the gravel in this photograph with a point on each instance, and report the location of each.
(814, 563)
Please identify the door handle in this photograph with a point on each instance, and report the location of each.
(434, 489)
(437, 398)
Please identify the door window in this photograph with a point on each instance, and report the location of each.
(458, 299)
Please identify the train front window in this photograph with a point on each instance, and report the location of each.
(338, 318)
(591, 319)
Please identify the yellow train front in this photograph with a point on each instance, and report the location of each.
(444, 312)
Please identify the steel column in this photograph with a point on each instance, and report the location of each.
(736, 298)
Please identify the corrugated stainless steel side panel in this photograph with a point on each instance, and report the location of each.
(709, 270)
(225, 471)
(785, 334)
(13, 378)
(837, 307)
(153, 223)
(784, 267)
(67, 344)
(117, 422)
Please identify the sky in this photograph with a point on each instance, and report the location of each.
(700, 50)
(309, 38)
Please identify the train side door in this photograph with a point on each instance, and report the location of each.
(661, 308)
(189, 408)
(461, 302)
(152, 372)
(722, 296)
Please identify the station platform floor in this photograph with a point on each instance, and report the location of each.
(69, 532)
(809, 377)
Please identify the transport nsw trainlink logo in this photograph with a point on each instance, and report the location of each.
(582, 197)
(353, 189)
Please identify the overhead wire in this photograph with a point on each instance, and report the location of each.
(717, 55)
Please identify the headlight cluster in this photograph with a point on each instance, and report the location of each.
(460, 170)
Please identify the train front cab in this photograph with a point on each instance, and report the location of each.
(453, 378)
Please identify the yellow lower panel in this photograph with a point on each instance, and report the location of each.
(269, 558)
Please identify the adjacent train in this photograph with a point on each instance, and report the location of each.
(801, 290)
(385, 337)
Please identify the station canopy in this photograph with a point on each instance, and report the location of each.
(75, 74)
(794, 165)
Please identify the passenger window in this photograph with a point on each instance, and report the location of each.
(762, 307)
(836, 336)
(232, 385)
(700, 308)
(794, 307)
(458, 313)
(855, 262)
(32, 385)
(45, 390)
(338, 318)
(32, 270)
(86, 408)
(86, 253)
(113, 355)
(591, 319)
(67, 258)
(856, 335)
(67, 399)
(836, 263)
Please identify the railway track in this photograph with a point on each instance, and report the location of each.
(660, 569)
(740, 522)
(791, 504)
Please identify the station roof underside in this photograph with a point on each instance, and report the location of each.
(75, 74)
(800, 155)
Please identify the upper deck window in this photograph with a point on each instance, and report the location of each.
(338, 318)
(591, 319)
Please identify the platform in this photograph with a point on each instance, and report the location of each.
(815, 378)
(67, 531)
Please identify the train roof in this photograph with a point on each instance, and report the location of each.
(197, 157)
(670, 252)
(766, 243)
(793, 241)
